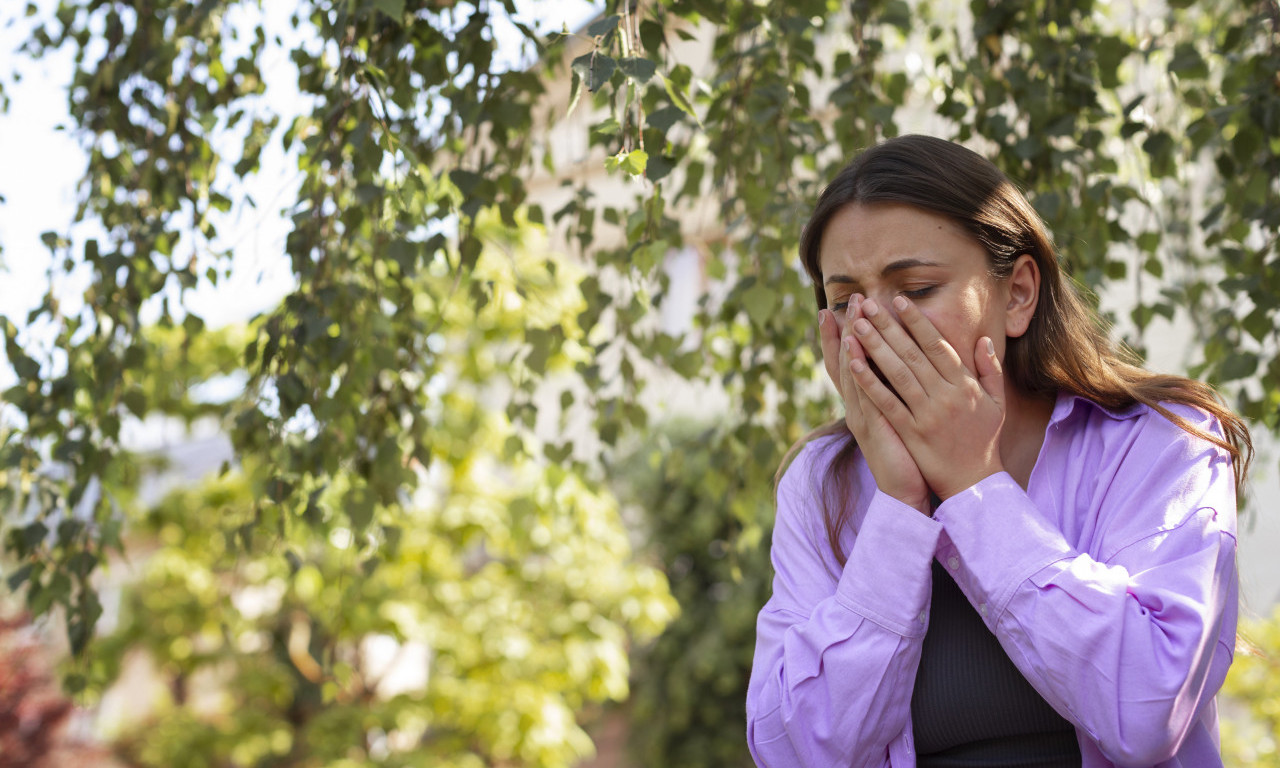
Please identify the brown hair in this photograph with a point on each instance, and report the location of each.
(1065, 347)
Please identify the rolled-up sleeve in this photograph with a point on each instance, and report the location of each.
(837, 649)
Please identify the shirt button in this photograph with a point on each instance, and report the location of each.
(982, 609)
(953, 563)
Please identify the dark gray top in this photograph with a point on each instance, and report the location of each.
(970, 705)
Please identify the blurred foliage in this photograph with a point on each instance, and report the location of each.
(429, 362)
(689, 689)
(506, 585)
(1251, 698)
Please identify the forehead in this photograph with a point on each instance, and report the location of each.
(860, 240)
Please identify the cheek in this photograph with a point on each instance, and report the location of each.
(961, 327)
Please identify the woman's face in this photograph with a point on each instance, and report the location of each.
(883, 250)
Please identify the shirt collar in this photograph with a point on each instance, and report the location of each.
(1068, 402)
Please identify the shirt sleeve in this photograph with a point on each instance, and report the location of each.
(1131, 642)
(837, 651)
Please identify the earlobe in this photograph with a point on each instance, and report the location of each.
(1024, 294)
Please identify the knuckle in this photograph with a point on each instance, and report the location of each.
(935, 346)
(900, 375)
(913, 357)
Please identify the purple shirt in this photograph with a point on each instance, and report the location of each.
(1110, 582)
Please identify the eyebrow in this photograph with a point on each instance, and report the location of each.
(890, 268)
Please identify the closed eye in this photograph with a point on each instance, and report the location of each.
(920, 293)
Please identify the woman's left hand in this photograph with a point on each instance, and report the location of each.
(948, 417)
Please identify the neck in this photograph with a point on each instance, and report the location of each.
(1025, 420)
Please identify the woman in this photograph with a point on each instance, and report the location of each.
(1017, 548)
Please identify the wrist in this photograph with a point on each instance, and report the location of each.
(922, 504)
(946, 491)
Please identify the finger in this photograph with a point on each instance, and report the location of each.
(844, 324)
(903, 344)
(829, 338)
(941, 355)
(875, 395)
(897, 373)
(990, 372)
(850, 351)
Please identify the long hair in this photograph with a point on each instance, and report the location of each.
(1065, 347)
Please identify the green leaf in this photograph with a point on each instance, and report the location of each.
(663, 119)
(632, 162)
(604, 26)
(1148, 241)
(1111, 51)
(760, 301)
(575, 94)
(1154, 267)
(659, 167)
(897, 14)
(279, 489)
(1258, 324)
(678, 98)
(639, 70)
(19, 577)
(1238, 365)
(392, 8)
(595, 69)
(651, 36)
(1188, 63)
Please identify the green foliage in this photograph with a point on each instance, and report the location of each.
(1251, 698)
(508, 579)
(691, 684)
(517, 624)
(400, 389)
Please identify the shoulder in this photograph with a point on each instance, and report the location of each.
(1129, 474)
(1141, 430)
(803, 478)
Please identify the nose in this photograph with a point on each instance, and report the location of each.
(883, 303)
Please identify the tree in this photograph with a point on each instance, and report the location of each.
(690, 683)
(507, 582)
(1146, 144)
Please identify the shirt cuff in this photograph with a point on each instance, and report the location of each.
(887, 578)
(995, 539)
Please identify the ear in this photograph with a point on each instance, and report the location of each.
(1024, 295)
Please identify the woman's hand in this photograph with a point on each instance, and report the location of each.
(890, 462)
(948, 418)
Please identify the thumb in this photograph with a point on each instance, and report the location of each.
(990, 372)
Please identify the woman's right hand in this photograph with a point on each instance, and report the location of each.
(895, 471)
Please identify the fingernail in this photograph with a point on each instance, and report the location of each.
(857, 365)
(991, 347)
(862, 327)
(869, 308)
(900, 303)
(848, 346)
(822, 319)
